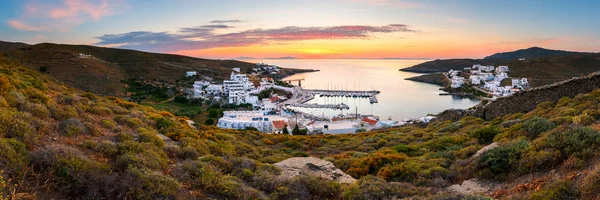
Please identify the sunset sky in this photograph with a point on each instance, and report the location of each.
(307, 28)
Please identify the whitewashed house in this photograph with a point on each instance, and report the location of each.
(501, 69)
(245, 119)
(236, 70)
(524, 82)
(475, 80)
(190, 73)
(516, 82)
(214, 89)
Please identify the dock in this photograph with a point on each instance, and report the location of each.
(341, 106)
(345, 93)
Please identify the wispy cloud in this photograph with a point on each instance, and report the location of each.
(225, 21)
(64, 14)
(204, 37)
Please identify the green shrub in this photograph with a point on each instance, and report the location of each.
(100, 110)
(150, 136)
(485, 135)
(537, 125)
(108, 124)
(147, 184)
(557, 191)
(209, 121)
(72, 127)
(38, 110)
(410, 150)
(63, 113)
(129, 121)
(580, 141)
(213, 113)
(498, 162)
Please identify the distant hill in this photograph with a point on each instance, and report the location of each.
(103, 73)
(533, 52)
(542, 66)
(446, 65)
(4, 46)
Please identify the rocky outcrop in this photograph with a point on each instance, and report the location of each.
(527, 101)
(471, 186)
(299, 166)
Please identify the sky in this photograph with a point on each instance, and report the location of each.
(308, 28)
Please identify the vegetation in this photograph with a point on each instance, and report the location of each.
(59, 142)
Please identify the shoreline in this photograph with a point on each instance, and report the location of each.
(294, 71)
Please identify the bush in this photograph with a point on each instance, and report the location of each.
(180, 99)
(213, 113)
(147, 184)
(107, 123)
(581, 142)
(498, 162)
(209, 121)
(72, 127)
(149, 136)
(537, 125)
(410, 150)
(557, 191)
(485, 135)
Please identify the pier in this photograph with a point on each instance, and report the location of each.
(345, 93)
(341, 106)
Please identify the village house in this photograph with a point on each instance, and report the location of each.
(278, 126)
(245, 119)
(190, 73)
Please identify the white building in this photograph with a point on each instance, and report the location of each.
(245, 119)
(501, 69)
(190, 73)
(236, 70)
(475, 80)
(524, 82)
(239, 97)
(214, 89)
(457, 81)
(516, 82)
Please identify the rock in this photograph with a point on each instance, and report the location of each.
(471, 186)
(298, 166)
(484, 149)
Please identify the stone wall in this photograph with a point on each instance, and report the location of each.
(527, 101)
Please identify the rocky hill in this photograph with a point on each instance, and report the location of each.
(533, 52)
(58, 142)
(5, 46)
(106, 68)
(541, 67)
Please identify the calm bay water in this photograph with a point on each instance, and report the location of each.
(399, 98)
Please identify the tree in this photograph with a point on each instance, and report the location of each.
(297, 131)
(213, 113)
(209, 121)
(180, 99)
(285, 129)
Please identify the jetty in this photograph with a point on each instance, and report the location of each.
(341, 106)
(345, 93)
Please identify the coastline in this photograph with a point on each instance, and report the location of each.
(293, 71)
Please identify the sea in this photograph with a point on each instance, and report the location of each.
(399, 99)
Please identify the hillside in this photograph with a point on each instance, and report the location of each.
(533, 52)
(6, 46)
(57, 142)
(103, 73)
(540, 68)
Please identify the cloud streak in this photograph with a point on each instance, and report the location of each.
(63, 15)
(225, 21)
(204, 37)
